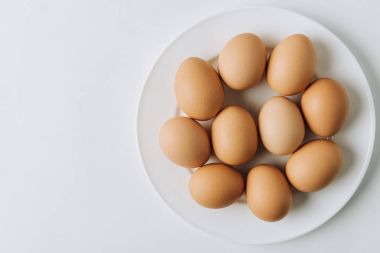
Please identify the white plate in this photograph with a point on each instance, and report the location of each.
(205, 40)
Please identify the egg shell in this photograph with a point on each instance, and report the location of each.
(241, 63)
(325, 107)
(198, 89)
(216, 185)
(313, 166)
(291, 65)
(281, 126)
(185, 142)
(234, 135)
(268, 193)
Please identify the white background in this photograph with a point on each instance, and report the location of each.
(71, 73)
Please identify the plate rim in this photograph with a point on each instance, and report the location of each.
(366, 162)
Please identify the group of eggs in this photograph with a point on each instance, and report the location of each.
(290, 70)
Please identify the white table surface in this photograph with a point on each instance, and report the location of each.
(71, 73)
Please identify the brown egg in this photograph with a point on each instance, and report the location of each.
(268, 193)
(234, 135)
(325, 107)
(198, 89)
(242, 61)
(185, 142)
(281, 126)
(216, 185)
(314, 165)
(291, 65)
